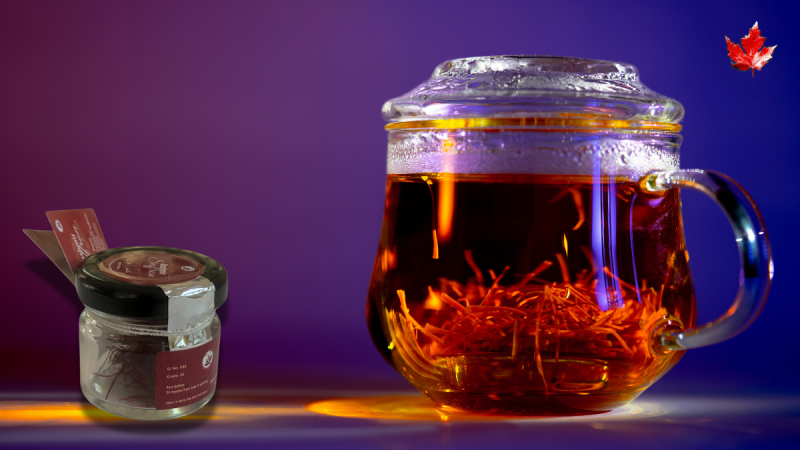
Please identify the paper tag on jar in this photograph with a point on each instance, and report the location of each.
(78, 233)
(48, 243)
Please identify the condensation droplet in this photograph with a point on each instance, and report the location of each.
(494, 144)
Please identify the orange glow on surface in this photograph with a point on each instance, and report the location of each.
(53, 412)
(397, 407)
(406, 407)
(78, 413)
(447, 195)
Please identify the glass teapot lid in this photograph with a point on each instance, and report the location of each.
(533, 86)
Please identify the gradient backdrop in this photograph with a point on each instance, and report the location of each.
(251, 132)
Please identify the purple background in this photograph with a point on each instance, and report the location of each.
(251, 132)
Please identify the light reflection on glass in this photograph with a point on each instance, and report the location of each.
(446, 208)
(604, 239)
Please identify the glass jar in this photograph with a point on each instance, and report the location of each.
(149, 336)
(532, 257)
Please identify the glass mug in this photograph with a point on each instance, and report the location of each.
(532, 258)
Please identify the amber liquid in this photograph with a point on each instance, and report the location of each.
(528, 294)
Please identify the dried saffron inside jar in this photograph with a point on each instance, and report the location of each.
(149, 336)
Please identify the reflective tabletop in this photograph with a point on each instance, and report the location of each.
(354, 419)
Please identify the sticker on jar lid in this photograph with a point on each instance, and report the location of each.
(149, 267)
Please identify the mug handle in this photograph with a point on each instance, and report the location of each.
(755, 256)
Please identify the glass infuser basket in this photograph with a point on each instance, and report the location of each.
(532, 257)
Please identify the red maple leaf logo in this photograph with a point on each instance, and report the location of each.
(748, 56)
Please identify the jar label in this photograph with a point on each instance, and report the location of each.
(148, 267)
(186, 376)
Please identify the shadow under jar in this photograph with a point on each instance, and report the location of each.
(532, 258)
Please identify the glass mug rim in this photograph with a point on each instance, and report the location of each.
(567, 122)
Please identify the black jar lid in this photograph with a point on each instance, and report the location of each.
(130, 281)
